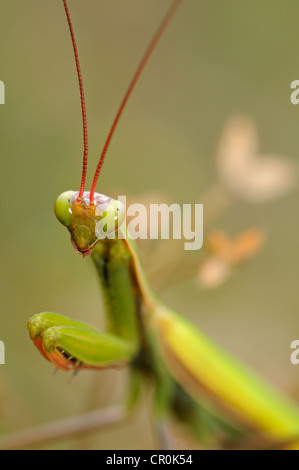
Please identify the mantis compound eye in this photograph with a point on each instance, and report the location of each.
(63, 208)
(110, 220)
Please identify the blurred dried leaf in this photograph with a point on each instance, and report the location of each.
(228, 253)
(238, 250)
(247, 175)
(213, 273)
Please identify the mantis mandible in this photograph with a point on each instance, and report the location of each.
(194, 381)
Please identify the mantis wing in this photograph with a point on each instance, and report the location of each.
(208, 373)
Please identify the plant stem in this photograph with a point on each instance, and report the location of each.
(64, 428)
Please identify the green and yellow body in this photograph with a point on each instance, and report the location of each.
(197, 383)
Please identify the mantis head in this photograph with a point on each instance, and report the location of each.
(90, 216)
(87, 222)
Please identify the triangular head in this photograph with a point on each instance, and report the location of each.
(88, 223)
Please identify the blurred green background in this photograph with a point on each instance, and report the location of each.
(217, 58)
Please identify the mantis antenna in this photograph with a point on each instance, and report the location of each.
(170, 13)
(83, 105)
(166, 20)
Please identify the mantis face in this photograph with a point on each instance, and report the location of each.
(88, 223)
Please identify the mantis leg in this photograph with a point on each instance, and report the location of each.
(72, 345)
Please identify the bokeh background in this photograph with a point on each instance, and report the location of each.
(217, 58)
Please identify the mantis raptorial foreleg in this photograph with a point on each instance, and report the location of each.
(70, 344)
(69, 347)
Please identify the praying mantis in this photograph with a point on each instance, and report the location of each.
(211, 393)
